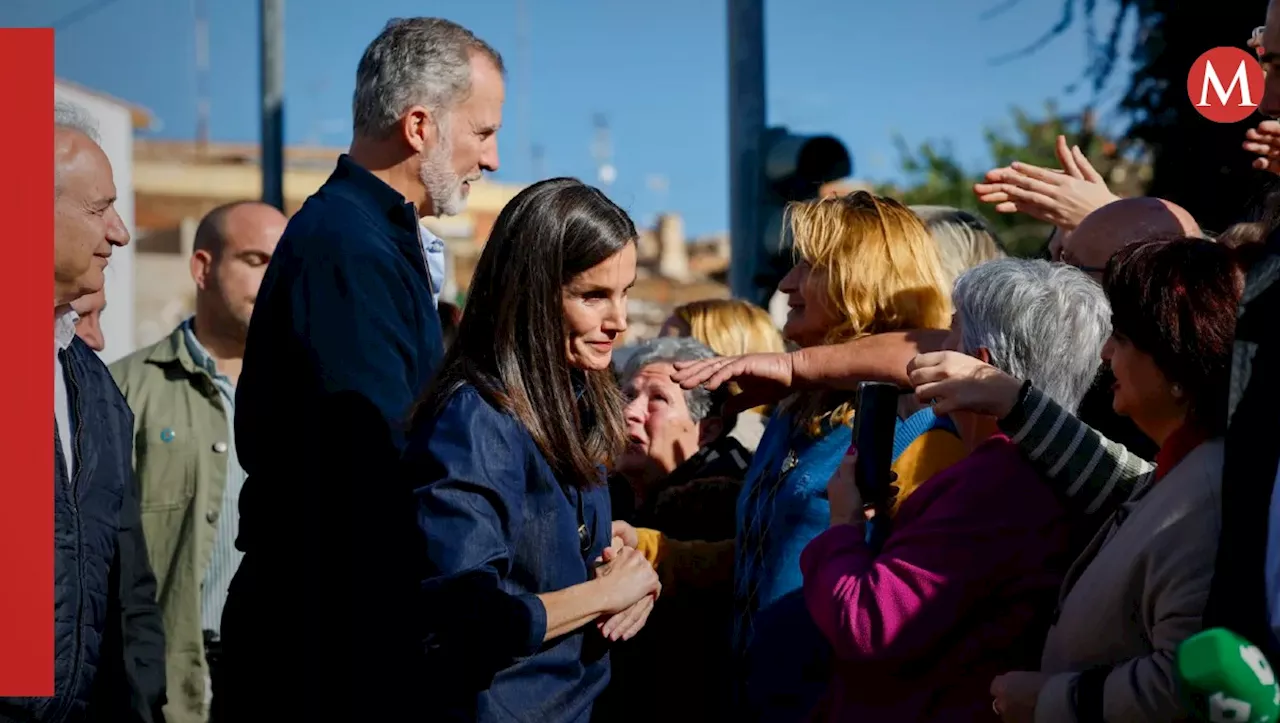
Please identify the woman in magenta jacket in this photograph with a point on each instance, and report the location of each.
(965, 584)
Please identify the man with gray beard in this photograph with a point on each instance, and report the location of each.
(319, 619)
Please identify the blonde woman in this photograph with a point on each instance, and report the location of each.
(730, 327)
(865, 265)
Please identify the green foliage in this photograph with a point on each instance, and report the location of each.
(935, 177)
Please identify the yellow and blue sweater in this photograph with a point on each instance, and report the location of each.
(779, 512)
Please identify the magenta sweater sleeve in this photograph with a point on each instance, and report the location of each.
(985, 527)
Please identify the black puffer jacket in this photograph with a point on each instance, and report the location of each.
(108, 632)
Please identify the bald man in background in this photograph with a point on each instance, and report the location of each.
(1118, 224)
(182, 392)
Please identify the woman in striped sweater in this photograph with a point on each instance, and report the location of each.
(1140, 585)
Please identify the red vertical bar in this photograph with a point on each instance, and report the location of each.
(26, 290)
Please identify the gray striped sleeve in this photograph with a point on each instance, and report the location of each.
(1090, 470)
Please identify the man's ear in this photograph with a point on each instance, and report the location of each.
(419, 128)
(709, 430)
(983, 355)
(201, 268)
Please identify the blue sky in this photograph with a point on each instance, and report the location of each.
(861, 69)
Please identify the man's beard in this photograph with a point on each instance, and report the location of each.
(443, 185)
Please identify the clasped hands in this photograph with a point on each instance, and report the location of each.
(633, 588)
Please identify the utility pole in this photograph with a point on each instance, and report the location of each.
(746, 135)
(271, 26)
(602, 151)
(769, 168)
(202, 76)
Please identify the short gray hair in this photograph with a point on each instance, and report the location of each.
(964, 239)
(1041, 321)
(414, 61)
(71, 117)
(669, 350)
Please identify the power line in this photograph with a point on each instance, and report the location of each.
(76, 16)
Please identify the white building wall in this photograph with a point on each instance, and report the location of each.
(115, 126)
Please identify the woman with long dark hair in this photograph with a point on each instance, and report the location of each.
(507, 454)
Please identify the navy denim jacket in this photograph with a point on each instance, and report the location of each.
(500, 529)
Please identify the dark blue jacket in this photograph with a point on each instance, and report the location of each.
(500, 529)
(343, 339)
(108, 631)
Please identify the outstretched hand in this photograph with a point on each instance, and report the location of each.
(1264, 142)
(763, 378)
(1059, 197)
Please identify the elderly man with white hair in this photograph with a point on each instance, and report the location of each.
(966, 581)
(108, 642)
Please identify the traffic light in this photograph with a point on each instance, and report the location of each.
(793, 168)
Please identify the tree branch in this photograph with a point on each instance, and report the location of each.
(998, 10)
(1060, 27)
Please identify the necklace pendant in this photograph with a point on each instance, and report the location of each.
(790, 462)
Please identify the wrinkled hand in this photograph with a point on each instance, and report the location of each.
(1015, 695)
(843, 493)
(1062, 198)
(1264, 142)
(625, 624)
(763, 378)
(956, 382)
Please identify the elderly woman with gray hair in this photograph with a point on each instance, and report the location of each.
(678, 450)
(1141, 586)
(965, 585)
(680, 473)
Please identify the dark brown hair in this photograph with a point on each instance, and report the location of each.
(510, 343)
(1176, 299)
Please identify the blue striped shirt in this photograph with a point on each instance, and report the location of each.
(225, 558)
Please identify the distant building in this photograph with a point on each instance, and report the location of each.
(178, 182)
(117, 121)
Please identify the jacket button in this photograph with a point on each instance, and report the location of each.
(220, 447)
(212, 517)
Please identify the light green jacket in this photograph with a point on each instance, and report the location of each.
(180, 456)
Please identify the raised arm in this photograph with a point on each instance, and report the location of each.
(1093, 472)
(769, 378)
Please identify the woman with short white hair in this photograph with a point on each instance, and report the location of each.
(966, 581)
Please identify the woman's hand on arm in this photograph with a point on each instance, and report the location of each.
(956, 382)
